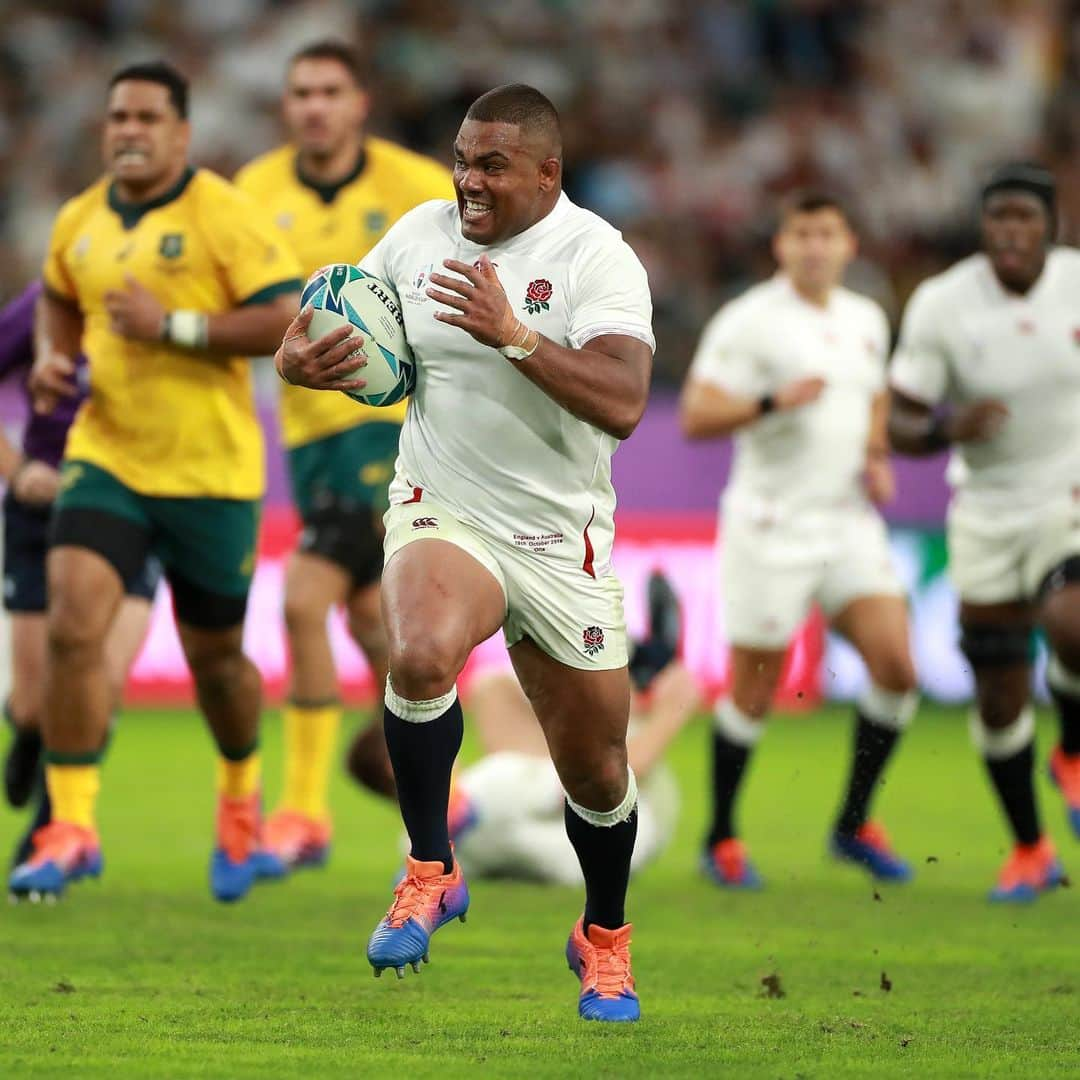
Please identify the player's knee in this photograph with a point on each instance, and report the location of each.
(893, 672)
(597, 781)
(219, 676)
(1061, 621)
(998, 710)
(304, 612)
(73, 638)
(424, 665)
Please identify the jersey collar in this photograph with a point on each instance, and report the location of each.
(329, 192)
(1041, 285)
(541, 228)
(131, 214)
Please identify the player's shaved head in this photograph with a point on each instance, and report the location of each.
(526, 108)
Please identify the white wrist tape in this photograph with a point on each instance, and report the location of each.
(188, 329)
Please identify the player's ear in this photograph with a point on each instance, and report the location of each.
(550, 174)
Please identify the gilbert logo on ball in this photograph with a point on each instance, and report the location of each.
(344, 295)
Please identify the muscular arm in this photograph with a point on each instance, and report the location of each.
(708, 412)
(58, 326)
(877, 445)
(605, 383)
(252, 330)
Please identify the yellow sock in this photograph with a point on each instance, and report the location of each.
(73, 791)
(239, 779)
(310, 741)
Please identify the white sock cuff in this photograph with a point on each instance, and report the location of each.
(606, 818)
(887, 708)
(732, 722)
(999, 743)
(418, 712)
(1061, 678)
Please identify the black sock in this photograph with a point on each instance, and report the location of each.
(1068, 709)
(873, 747)
(604, 853)
(423, 757)
(728, 764)
(1013, 778)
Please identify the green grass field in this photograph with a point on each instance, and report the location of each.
(142, 974)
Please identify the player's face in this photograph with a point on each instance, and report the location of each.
(504, 180)
(145, 141)
(814, 248)
(1016, 230)
(324, 108)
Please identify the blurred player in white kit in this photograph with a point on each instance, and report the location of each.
(989, 364)
(795, 369)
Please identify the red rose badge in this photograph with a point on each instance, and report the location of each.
(592, 639)
(537, 296)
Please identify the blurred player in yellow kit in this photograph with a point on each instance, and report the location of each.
(334, 190)
(167, 278)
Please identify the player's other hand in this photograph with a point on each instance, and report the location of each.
(479, 302)
(51, 378)
(800, 392)
(35, 483)
(879, 479)
(327, 363)
(135, 312)
(976, 422)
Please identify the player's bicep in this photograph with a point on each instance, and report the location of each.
(633, 352)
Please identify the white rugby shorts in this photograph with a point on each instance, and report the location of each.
(996, 559)
(772, 573)
(574, 618)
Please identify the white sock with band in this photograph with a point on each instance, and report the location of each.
(888, 708)
(735, 725)
(418, 712)
(996, 744)
(605, 819)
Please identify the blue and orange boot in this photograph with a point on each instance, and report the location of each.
(62, 853)
(1065, 773)
(424, 899)
(1030, 870)
(728, 865)
(239, 860)
(870, 848)
(601, 960)
(296, 839)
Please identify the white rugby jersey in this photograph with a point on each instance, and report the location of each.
(813, 457)
(964, 339)
(479, 437)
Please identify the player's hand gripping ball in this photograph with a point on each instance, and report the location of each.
(349, 336)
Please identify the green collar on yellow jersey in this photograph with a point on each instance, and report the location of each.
(130, 214)
(329, 192)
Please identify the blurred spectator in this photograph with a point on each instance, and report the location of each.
(684, 119)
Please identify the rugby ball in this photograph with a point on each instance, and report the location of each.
(343, 295)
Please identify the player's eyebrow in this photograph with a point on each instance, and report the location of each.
(489, 156)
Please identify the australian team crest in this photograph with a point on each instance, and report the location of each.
(375, 221)
(171, 246)
(538, 296)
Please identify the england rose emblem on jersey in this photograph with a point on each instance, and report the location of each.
(592, 640)
(537, 296)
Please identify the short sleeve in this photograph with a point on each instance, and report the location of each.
(254, 255)
(611, 296)
(920, 366)
(54, 274)
(725, 356)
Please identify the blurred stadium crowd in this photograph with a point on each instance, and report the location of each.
(684, 118)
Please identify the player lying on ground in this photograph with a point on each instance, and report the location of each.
(334, 190)
(33, 482)
(989, 364)
(795, 369)
(529, 320)
(167, 278)
(506, 810)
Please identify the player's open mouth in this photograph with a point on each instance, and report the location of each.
(130, 155)
(475, 211)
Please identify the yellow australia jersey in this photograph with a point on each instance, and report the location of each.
(164, 420)
(341, 223)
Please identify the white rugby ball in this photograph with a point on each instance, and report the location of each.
(343, 295)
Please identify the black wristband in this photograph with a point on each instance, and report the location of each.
(766, 404)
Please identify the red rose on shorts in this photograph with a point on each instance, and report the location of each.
(537, 296)
(592, 639)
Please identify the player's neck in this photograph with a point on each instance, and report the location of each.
(326, 170)
(135, 194)
(1022, 288)
(817, 297)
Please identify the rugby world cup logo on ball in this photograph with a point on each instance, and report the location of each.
(344, 295)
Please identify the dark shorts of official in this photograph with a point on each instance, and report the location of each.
(206, 546)
(26, 543)
(340, 486)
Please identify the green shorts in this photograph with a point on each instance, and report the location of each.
(354, 466)
(205, 542)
